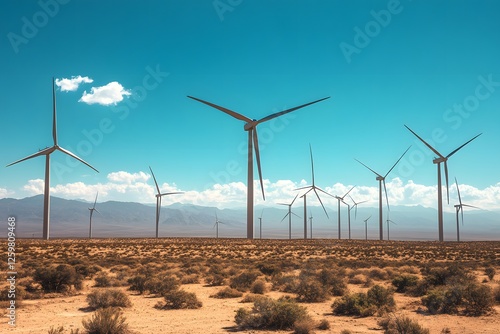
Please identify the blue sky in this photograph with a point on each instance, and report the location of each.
(430, 65)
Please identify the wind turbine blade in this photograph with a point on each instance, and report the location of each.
(173, 193)
(296, 215)
(312, 163)
(321, 202)
(446, 177)
(455, 151)
(285, 217)
(257, 156)
(54, 119)
(267, 118)
(75, 157)
(355, 211)
(96, 199)
(261, 213)
(369, 168)
(462, 212)
(347, 193)
(426, 144)
(97, 211)
(386, 197)
(37, 154)
(324, 192)
(471, 206)
(458, 191)
(294, 199)
(154, 179)
(283, 204)
(225, 110)
(397, 161)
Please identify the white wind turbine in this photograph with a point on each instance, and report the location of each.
(216, 225)
(366, 227)
(311, 223)
(381, 180)
(460, 208)
(388, 221)
(311, 188)
(159, 195)
(341, 199)
(92, 209)
(355, 207)
(251, 127)
(289, 214)
(438, 162)
(47, 152)
(260, 224)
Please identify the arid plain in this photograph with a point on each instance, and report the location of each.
(445, 287)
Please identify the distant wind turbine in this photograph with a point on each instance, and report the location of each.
(438, 162)
(366, 227)
(355, 207)
(251, 127)
(92, 209)
(159, 195)
(311, 188)
(47, 152)
(260, 224)
(388, 221)
(311, 223)
(381, 180)
(341, 199)
(216, 225)
(289, 214)
(460, 208)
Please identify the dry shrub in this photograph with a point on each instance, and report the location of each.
(403, 282)
(323, 325)
(106, 320)
(490, 272)
(496, 294)
(357, 279)
(258, 287)
(285, 283)
(304, 326)
(401, 325)
(251, 298)
(378, 274)
(180, 299)
(190, 279)
(244, 280)
(58, 278)
(215, 280)
(310, 290)
(377, 299)
(108, 298)
(227, 292)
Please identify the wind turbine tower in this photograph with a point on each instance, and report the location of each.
(460, 208)
(289, 214)
(341, 199)
(92, 209)
(253, 142)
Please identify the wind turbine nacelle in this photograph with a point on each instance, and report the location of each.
(439, 160)
(250, 125)
(379, 178)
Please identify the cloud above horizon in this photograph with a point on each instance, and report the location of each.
(71, 85)
(106, 95)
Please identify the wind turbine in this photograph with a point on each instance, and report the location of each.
(216, 225)
(388, 221)
(159, 195)
(92, 209)
(311, 223)
(47, 152)
(251, 127)
(381, 179)
(341, 199)
(311, 188)
(366, 227)
(355, 207)
(260, 224)
(289, 214)
(460, 207)
(438, 162)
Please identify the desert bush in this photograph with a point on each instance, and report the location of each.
(310, 290)
(345, 331)
(138, 283)
(190, 279)
(86, 270)
(433, 300)
(285, 283)
(490, 272)
(268, 269)
(304, 326)
(251, 298)
(214, 280)
(496, 294)
(356, 304)
(323, 325)
(403, 282)
(161, 285)
(382, 298)
(227, 292)
(108, 298)
(333, 282)
(478, 299)
(244, 280)
(269, 313)
(58, 278)
(106, 320)
(377, 274)
(180, 299)
(357, 279)
(258, 287)
(402, 325)
(56, 330)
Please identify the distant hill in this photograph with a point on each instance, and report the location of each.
(70, 218)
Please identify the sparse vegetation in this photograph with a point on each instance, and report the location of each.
(108, 298)
(227, 292)
(59, 278)
(400, 324)
(180, 299)
(106, 320)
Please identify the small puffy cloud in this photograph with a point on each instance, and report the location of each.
(34, 187)
(70, 85)
(112, 93)
(126, 177)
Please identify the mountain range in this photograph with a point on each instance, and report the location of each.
(70, 219)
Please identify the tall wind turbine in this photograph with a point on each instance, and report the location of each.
(381, 180)
(311, 188)
(460, 208)
(438, 162)
(341, 199)
(289, 214)
(92, 209)
(47, 152)
(216, 225)
(251, 127)
(260, 224)
(366, 227)
(159, 195)
(355, 207)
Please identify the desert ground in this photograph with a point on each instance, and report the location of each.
(206, 266)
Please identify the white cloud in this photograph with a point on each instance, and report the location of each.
(112, 93)
(125, 177)
(34, 187)
(70, 85)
